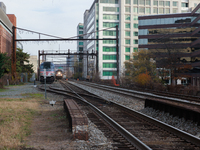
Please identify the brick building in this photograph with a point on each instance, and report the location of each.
(6, 23)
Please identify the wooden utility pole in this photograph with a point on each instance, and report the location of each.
(13, 62)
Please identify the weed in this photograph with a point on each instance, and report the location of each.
(54, 115)
(33, 95)
(3, 90)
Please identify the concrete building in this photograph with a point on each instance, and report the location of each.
(104, 14)
(33, 60)
(174, 41)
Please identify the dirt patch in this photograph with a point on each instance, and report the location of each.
(50, 130)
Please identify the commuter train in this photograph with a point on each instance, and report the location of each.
(59, 74)
(50, 72)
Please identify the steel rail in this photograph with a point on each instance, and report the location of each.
(130, 92)
(126, 134)
(179, 133)
(188, 137)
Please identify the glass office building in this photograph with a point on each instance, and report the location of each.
(173, 36)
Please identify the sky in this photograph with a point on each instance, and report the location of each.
(53, 17)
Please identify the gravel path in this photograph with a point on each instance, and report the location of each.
(17, 91)
(138, 105)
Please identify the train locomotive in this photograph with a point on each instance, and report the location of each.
(59, 74)
(50, 72)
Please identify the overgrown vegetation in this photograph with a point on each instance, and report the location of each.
(15, 120)
(22, 65)
(141, 70)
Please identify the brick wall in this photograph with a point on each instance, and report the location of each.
(5, 41)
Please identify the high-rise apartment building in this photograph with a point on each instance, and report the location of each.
(105, 14)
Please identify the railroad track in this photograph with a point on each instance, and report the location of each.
(154, 134)
(186, 108)
(142, 94)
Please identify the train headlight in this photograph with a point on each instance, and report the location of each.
(59, 73)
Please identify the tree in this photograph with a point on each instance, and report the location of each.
(141, 69)
(22, 64)
(5, 64)
(78, 69)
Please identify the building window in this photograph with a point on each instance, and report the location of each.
(155, 3)
(80, 32)
(109, 41)
(109, 65)
(110, 17)
(109, 73)
(111, 9)
(135, 9)
(127, 49)
(109, 1)
(161, 3)
(167, 10)
(109, 57)
(128, 2)
(110, 24)
(127, 33)
(141, 10)
(155, 10)
(127, 57)
(161, 10)
(109, 33)
(184, 4)
(135, 41)
(195, 4)
(135, 25)
(127, 25)
(135, 2)
(148, 10)
(109, 49)
(135, 49)
(80, 48)
(175, 10)
(142, 2)
(148, 2)
(175, 4)
(127, 17)
(128, 9)
(167, 3)
(127, 41)
(135, 33)
(80, 27)
(80, 43)
(135, 17)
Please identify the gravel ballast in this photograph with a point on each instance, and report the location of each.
(138, 105)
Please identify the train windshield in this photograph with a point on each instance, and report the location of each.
(46, 65)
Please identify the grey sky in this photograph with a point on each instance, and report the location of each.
(54, 17)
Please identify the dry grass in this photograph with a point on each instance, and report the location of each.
(16, 116)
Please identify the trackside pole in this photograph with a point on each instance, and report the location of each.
(45, 83)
